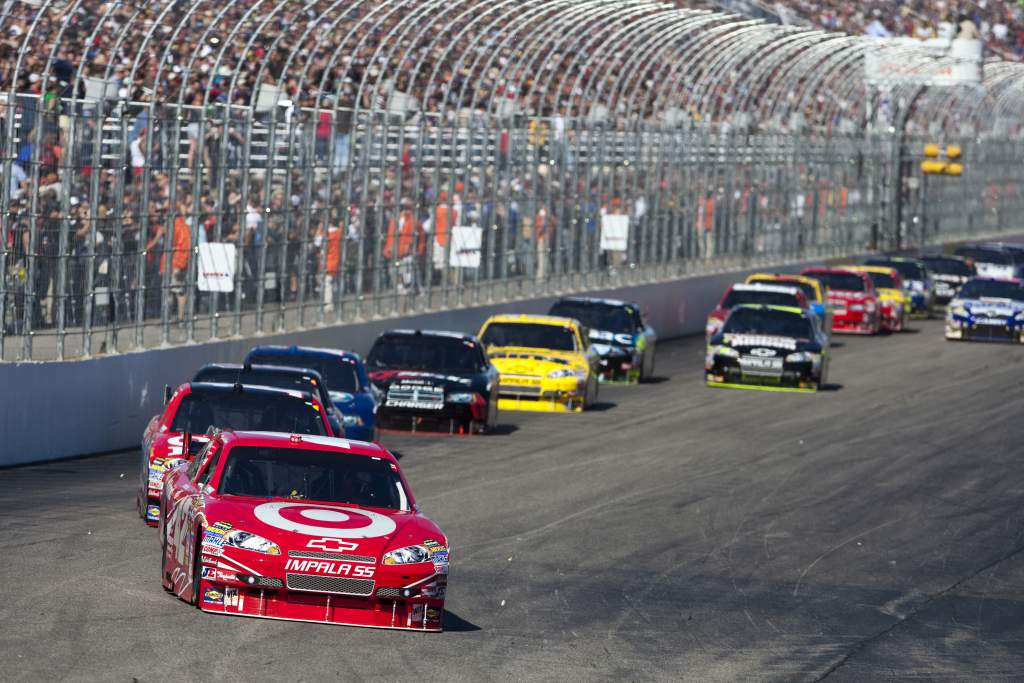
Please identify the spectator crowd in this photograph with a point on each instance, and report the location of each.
(134, 132)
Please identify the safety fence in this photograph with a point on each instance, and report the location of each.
(132, 223)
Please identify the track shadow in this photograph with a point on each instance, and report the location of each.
(601, 406)
(831, 386)
(503, 430)
(454, 623)
(911, 330)
(836, 344)
(656, 380)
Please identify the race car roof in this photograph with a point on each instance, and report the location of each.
(260, 368)
(531, 318)
(888, 270)
(775, 307)
(312, 441)
(304, 350)
(761, 287)
(429, 333)
(594, 300)
(214, 388)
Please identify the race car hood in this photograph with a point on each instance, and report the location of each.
(949, 277)
(386, 378)
(303, 526)
(844, 295)
(526, 361)
(889, 294)
(991, 307)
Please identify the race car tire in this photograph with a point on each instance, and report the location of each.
(647, 366)
(590, 396)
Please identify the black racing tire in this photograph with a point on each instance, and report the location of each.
(163, 564)
(590, 395)
(647, 366)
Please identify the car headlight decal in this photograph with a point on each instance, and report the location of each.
(461, 397)
(561, 373)
(352, 420)
(411, 554)
(251, 541)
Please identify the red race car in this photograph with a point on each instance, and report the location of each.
(197, 406)
(854, 301)
(303, 528)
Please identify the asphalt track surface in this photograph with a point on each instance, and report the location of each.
(869, 532)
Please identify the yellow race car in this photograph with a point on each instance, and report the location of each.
(894, 302)
(546, 363)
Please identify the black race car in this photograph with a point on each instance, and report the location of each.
(949, 274)
(278, 377)
(618, 333)
(776, 348)
(434, 381)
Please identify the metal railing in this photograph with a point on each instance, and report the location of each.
(402, 156)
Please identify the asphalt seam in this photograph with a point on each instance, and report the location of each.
(866, 642)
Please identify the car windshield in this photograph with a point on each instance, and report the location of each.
(806, 287)
(949, 266)
(530, 335)
(847, 282)
(908, 270)
(768, 322)
(240, 410)
(980, 255)
(991, 289)
(736, 297)
(313, 475)
(277, 380)
(883, 280)
(425, 352)
(338, 374)
(597, 316)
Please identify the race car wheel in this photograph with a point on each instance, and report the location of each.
(164, 572)
(647, 366)
(590, 397)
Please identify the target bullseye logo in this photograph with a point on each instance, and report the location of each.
(314, 520)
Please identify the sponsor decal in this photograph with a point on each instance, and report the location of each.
(211, 596)
(214, 535)
(762, 352)
(153, 512)
(416, 405)
(209, 573)
(208, 557)
(760, 340)
(331, 545)
(316, 520)
(233, 598)
(226, 576)
(618, 339)
(329, 568)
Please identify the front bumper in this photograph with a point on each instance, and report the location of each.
(536, 394)
(856, 322)
(398, 597)
(794, 377)
(921, 304)
(453, 418)
(619, 368)
(892, 316)
(967, 329)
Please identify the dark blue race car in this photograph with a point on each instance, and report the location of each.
(345, 376)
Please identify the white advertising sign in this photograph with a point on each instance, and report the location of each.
(216, 269)
(614, 232)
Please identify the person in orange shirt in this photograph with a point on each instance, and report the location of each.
(181, 248)
(399, 247)
(332, 264)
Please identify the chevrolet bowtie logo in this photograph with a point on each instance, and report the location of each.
(331, 544)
